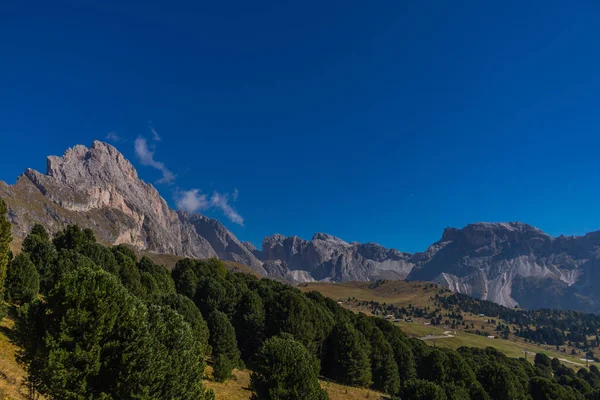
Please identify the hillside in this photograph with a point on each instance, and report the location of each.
(12, 375)
(110, 322)
(507, 263)
(417, 302)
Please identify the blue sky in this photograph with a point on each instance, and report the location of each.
(382, 121)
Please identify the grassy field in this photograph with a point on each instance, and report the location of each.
(421, 294)
(418, 294)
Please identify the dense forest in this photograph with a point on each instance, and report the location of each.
(97, 322)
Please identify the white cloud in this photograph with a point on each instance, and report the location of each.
(191, 200)
(236, 194)
(113, 137)
(155, 135)
(222, 202)
(146, 157)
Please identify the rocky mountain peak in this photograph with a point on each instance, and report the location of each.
(97, 187)
(100, 162)
(329, 238)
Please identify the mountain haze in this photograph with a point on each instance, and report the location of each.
(508, 263)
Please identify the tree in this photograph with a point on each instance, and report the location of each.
(92, 339)
(22, 280)
(5, 239)
(190, 313)
(434, 366)
(222, 367)
(250, 317)
(129, 273)
(285, 370)
(43, 254)
(416, 389)
(223, 342)
(542, 360)
(175, 357)
(348, 356)
(384, 369)
(73, 238)
(39, 230)
(499, 382)
(186, 281)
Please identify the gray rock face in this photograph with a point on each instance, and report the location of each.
(328, 258)
(507, 263)
(501, 261)
(100, 189)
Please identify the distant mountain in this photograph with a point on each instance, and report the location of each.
(328, 258)
(515, 263)
(508, 263)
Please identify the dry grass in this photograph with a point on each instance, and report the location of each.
(237, 388)
(399, 293)
(11, 373)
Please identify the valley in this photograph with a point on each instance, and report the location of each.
(357, 296)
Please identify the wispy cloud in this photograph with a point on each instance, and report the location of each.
(113, 137)
(222, 202)
(146, 157)
(155, 135)
(236, 194)
(193, 201)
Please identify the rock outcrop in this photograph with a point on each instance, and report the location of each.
(327, 258)
(100, 189)
(501, 261)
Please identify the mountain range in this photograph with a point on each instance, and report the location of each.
(509, 263)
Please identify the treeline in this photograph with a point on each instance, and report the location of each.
(554, 327)
(99, 323)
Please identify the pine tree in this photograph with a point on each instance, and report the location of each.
(348, 353)
(43, 254)
(285, 370)
(22, 280)
(223, 342)
(250, 317)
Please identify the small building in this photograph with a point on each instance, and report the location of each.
(490, 337)
(482, 315)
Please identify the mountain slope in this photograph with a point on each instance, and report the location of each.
(98, 188)
(502, 262)
(508, 263)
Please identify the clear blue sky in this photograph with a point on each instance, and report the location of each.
(380, 121)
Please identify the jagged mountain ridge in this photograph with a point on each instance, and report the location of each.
(100, 189)
(508, 263)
